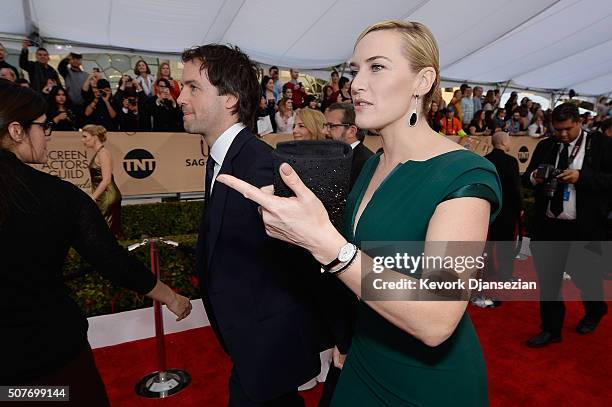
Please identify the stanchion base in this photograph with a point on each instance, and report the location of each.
(159, 385)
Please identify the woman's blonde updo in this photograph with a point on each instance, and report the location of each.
(96, 131)
(420, 48)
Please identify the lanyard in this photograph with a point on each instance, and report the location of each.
(575, 150)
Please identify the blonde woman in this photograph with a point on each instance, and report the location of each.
(164, 72)
(103, 187)
(419, 187)
(309, 125)
(285, 117)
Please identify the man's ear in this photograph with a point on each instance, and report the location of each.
(230, 101)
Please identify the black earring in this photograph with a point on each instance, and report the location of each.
(413, 117)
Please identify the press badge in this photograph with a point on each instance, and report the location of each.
(566, 193)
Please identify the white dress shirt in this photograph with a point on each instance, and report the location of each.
(569, 206)
(220, 147)
(355, 144)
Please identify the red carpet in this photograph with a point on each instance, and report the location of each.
(574, 372)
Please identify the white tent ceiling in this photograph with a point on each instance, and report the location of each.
(545, 44)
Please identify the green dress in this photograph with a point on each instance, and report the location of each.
(109, 201)
(385, 365)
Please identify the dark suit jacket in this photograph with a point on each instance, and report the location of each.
(257, 291)
(360, 155)
(508, 169)
(593, 189)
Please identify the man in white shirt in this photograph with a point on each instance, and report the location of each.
(467, 107)
(571, 206)
(256, 290)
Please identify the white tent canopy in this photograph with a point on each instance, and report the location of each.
(543, 44)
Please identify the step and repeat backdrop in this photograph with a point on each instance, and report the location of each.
(157, 163)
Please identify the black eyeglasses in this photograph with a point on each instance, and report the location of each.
(334, 125)
(46, 126)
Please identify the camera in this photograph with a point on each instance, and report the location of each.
(132, 101)
(102, 93)
(71, 115)
(549, 174)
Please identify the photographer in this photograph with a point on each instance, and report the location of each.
(128, 115)
(571, 174)
(129, 102)
(61, 111)
(163, 109)
(99, 109)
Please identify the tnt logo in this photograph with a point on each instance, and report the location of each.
(523, 154)
(139, 163)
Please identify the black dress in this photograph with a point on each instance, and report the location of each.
(43, 329)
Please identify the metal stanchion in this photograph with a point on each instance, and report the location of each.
(164, 382)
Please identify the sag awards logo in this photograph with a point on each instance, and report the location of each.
(139, 163)
(523, 154)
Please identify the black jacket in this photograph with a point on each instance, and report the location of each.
(593, 189)
(508, 169)
(37, 72)
(257, 291)
(42, 327)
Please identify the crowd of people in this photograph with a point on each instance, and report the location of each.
(471, 112)
(142, 102)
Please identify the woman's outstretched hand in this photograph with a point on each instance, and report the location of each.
(301, 220)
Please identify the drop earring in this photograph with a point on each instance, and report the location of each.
(413, 116)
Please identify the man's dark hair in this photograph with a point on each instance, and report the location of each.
(163, 81)
(272, 68)
(565, 111)
(463, 87)
(102, 84)
(232, 72)
(334, 72)
(605, 125)
(348, 116)
(42, 49)
(348, 111)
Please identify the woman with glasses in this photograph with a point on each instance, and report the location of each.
(105, 192)
(309, 125)
(44, 333)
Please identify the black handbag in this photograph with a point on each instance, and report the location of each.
(323, 166)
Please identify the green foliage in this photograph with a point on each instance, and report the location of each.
(161, 219)
(97, 296)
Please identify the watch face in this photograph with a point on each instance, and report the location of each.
(346, 253)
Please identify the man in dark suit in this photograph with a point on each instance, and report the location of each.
(255, 290)
(504, 226)
(340, 126)
(576, 211)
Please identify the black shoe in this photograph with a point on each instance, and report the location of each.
(542, 339)
(587, 324)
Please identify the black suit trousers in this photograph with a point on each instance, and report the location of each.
(550, 260)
